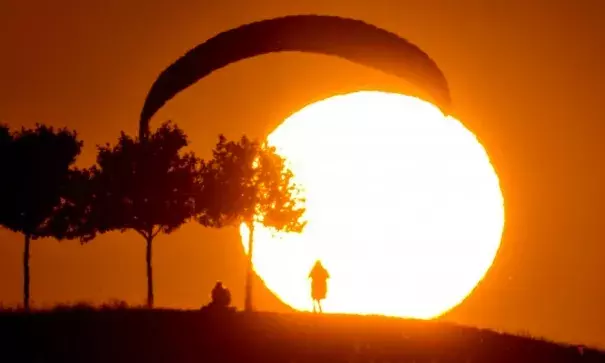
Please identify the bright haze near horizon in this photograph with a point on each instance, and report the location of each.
(525, 77)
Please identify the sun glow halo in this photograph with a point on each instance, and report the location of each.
(403, 207)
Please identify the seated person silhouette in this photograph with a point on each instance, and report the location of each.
(221, 298)
(319, 285)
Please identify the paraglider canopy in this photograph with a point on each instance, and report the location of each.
(350, 39)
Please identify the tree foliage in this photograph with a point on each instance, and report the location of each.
(5, 135)
(146, 186)
(247, 181)
(5, 142)
(36, 173)
(70, 220)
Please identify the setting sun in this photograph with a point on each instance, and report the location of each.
(404, 208)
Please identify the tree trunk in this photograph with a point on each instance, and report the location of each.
(26, 272)
(149, 274)
(249, 271)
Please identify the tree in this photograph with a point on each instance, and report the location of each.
(35, 179)
(142, 185)
(5, 135)
(247, 182)
(6, 139)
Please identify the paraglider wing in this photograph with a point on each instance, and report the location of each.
(350, 39)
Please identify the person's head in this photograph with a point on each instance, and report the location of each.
(318, 264)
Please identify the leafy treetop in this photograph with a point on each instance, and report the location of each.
(143, 185)
(36, 167)
(246, 181)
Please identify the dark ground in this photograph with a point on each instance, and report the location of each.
(138, 335)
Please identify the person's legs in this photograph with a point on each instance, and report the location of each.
(319, 304)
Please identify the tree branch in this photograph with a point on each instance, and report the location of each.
(154, 234)
(142, 233)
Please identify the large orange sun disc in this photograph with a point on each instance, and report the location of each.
(403, 206)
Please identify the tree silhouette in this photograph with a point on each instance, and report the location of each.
(248, 182)
(142, 185)
(5, 142)
(5, 136)
(35, 177)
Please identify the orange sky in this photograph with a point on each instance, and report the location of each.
(535, 102)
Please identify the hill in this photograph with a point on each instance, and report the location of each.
(139, 335)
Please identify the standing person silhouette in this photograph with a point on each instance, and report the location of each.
(319, 285)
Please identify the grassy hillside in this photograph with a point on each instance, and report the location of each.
(138, 335)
